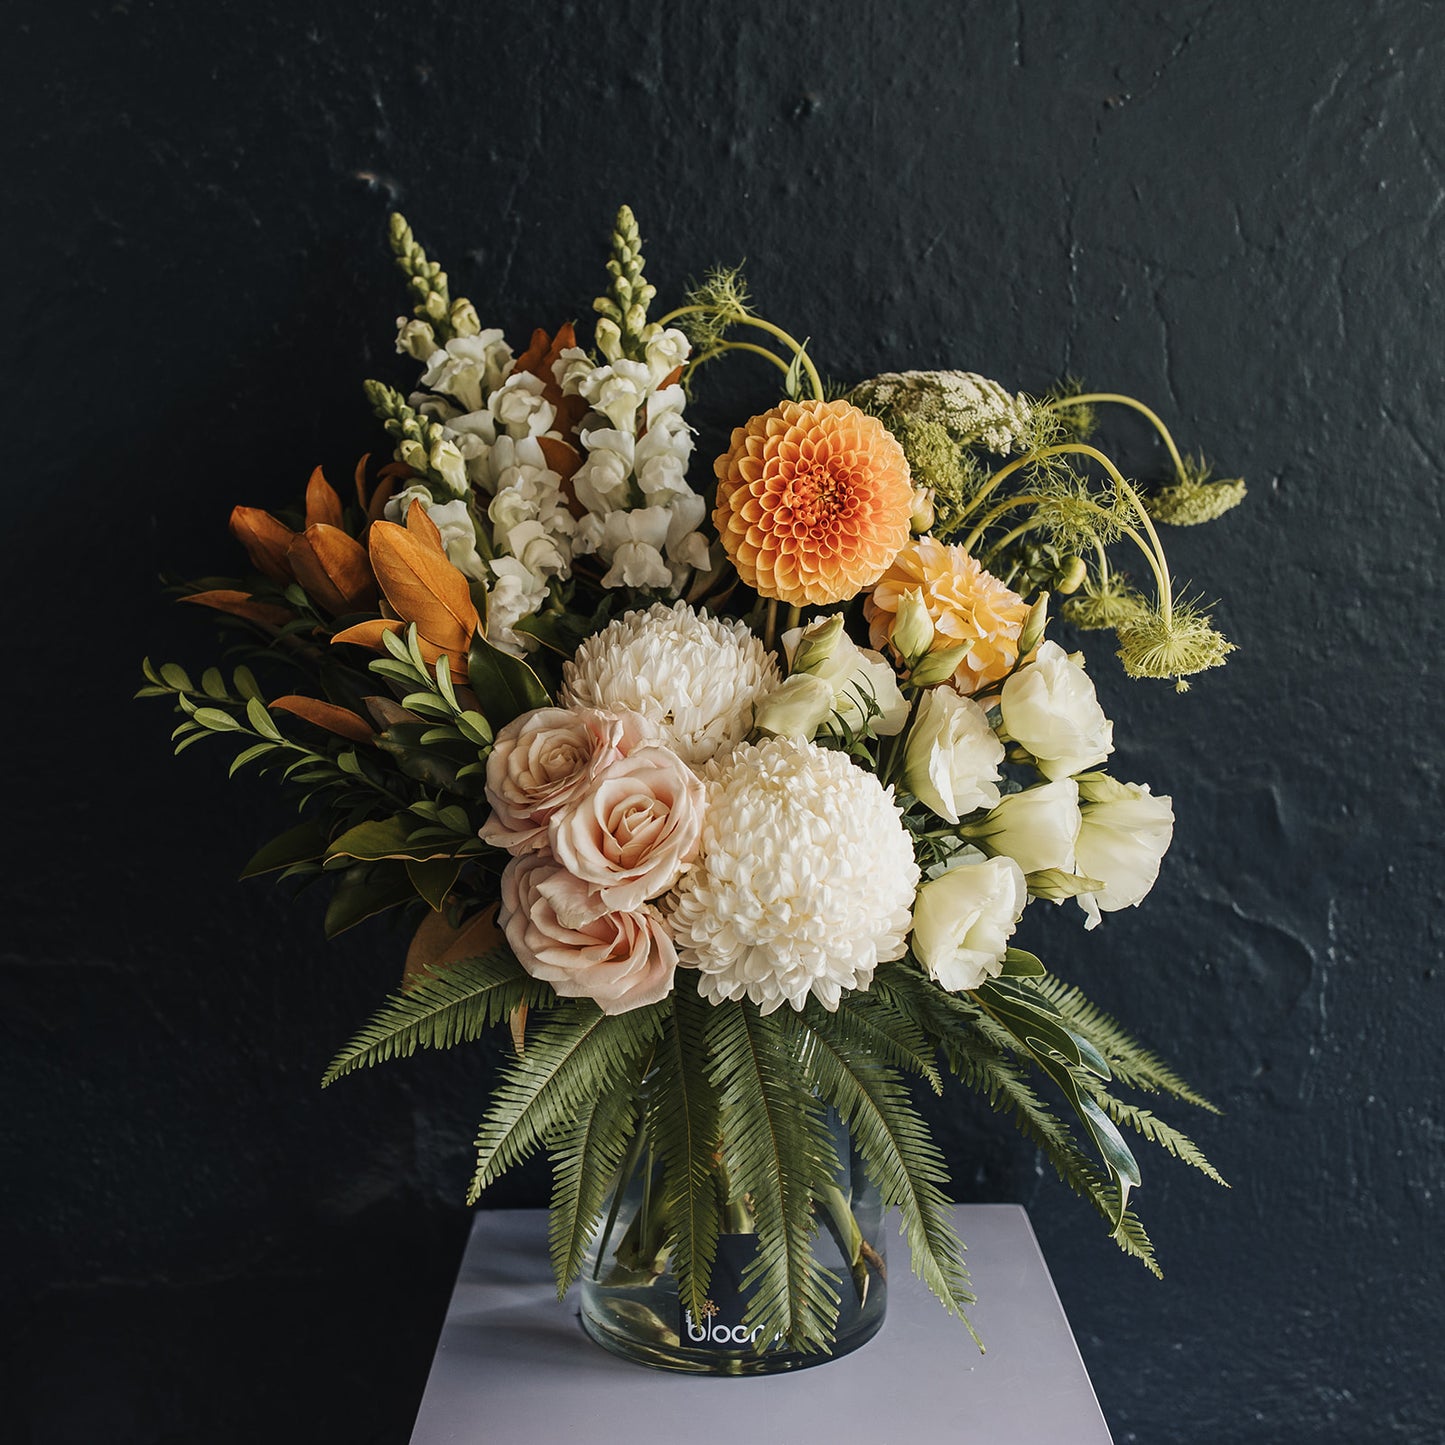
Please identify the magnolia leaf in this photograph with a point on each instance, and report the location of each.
(380, 838)
(423, 587)
(322, 503)
(339, 720)
(366, 889)
(300, 844)
(265, 539)
(433, 878)
(504, 684)
(437, 943)
(1019, 964)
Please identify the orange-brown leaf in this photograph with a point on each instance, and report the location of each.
(322, 503)
(436, 944)
(333, 568)
(561, 458)
(420, 525)
(533, 357)
(370, 633)
(339, 720)
(242, 604)
(424, 588)
(376, 507)
(265, 539)
(359, 477)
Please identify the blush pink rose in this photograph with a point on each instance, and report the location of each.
(620, 960)
(545, 760)
(634, 831)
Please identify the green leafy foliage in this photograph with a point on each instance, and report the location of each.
(454, 1006)
(777, 1152)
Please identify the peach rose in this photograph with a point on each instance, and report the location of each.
(634, 831)
(620, 960)
(545, 760)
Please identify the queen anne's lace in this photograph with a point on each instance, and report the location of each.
(804, 883)
(698, 677)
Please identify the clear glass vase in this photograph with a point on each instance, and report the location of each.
(630, 1301)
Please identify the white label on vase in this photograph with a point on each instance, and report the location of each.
(721, 1326)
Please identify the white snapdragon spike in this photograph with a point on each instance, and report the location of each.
(469, 368)
(964, 918)
(601, 483)
(697, 677)
(804, 882)
(618, 390)
(519, 408)
(515, 593)
(1037, 828)
(665, 352)
(631, 544)
(415, 338)
(571, 368)
(453, 520)
(1050, 708)
(1124, 834)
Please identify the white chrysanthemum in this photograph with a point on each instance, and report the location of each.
(696, 676)
(804, 882)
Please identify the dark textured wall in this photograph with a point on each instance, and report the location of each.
(1232, 209)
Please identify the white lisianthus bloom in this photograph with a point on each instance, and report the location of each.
(964, 918)
(804, 881)
(519, 406)
(1125, 834)
(453, 520)
(1037, 828)
(857, 675)
(698, 677)
(469, 368)
(1049, 707)
(617, 391)
(665, 352)
(951, 761)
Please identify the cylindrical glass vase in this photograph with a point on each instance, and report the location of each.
(630, 1301)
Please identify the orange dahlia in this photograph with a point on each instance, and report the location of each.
(966, 604)
(813, 501)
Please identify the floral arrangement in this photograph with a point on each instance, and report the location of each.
(726, 799)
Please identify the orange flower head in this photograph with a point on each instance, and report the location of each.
(813, 501)
(966, 604)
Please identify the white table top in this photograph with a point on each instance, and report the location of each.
(512, 1363)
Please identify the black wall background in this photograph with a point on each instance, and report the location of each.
(1233, 210)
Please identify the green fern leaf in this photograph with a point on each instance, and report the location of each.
(1153, 1128)
(586, 1154)
(901, 1157)
(777, 1151)
(1131, 1062)
(893, 1035)
(683, 1129)
(450, 1008)
(578, 1054)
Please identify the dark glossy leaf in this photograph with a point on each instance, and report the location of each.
(300, 844)
(505, 686)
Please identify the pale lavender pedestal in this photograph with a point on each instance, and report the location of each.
(513, 1367)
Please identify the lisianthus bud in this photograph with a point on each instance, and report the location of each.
(797, 709)
(913, 630)
(939, 666)
(963, 920)
(812, 647)
(922, 516)
(1034, 625)
(1071, 576)
(1124, 835)
(1037, 828)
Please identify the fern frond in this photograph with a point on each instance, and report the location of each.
(901, 1158)
(777, 1151)
(446, 1009)
(683, 1129)
(893, 1035)
(1153, 1128)
(578, 1054)
(586, 1154)
(1131, 1062)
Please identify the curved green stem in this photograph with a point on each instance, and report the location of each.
(1010, 536)
(723, 346)
(1118, 399)
(791, 342)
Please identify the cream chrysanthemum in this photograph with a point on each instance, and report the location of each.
(804, 882)
(699, 678)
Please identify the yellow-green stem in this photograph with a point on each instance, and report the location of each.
(723, 346)
(791, 342)
(1118, 399)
